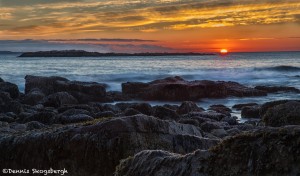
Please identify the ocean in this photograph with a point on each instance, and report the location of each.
(251, 69)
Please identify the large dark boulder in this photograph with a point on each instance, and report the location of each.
(283, 114)
(165, 113)
(178, 89)
(188, 106)
(264, 108)
(10, 88)
(59, 99)
(271, 151)
(84, 92)
(33, 97)
(96, 148)
(274, 89)
(250, 112)
(46, 84)
(7, 104)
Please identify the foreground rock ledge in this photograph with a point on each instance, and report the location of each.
(271, 151)
(96, 148)
(178, 89)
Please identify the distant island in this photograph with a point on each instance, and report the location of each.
(8, 52)
(81, 53)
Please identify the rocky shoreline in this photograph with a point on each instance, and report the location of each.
(57, 123)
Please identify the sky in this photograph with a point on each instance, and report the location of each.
(150, 25)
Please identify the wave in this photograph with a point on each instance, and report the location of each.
(281, 68)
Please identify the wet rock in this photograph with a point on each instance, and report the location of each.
(233, 131)
(221, 109)
(273, 89)
(209, 126)
(250, 112)
(46, 84)
(96, 149)
(58, 99)
(7, 104)
(240, 106)
(83, 91)
(269, 151)
(33, 125)
(110, 107)
(77, 111)
(144, 108)
(165, 113)
(86, 107)
(10, 88)
(189, 121)
(219, 133)
(149, 162)
(230, 120)
(188, 106)
(173, 107)
(18, 127)
(76, 118)
(264, 108)
(178, 89)
(5, 118)
(116, 96)
(33, 97)
(131, 112)
(44, 117)
(105, 114)
(211, 115)
(283, 114)
(13, 106)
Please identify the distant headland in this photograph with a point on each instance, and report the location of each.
(81, 53)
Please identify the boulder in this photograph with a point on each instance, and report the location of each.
(274, 89)
(105, 114)
(283, 114)
(33, 97)
(165, 113)
(96, 148)
(6, 118)
(187, 107)
(211, 115)
(33, 125)
(46, 84)
(144, 108)
(250, 112)
(43, 117)
(131, 112)
(58, 99)
(84, 92)
(74, 116)
(264, 108)
(269, 151)
(178, 89)
(221, 109)
(10, 88)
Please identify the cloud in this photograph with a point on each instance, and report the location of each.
(58, 17)
(46, 45)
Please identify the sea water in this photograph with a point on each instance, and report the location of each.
(250, 69)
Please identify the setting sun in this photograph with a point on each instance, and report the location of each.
(223, 51)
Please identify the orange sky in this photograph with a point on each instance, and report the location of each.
(190, 25)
